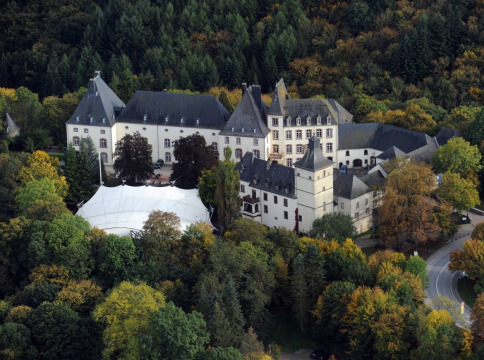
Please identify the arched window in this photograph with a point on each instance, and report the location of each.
(76, 141)
(347, 153)
(103, 143)
(104, 157)
(365, 152)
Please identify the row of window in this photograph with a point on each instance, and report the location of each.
(300, 149)
(309, 121)
(309, 134)
(238, 141)
(239, 153)
(103, 143)
(364, 152)
(86, 130)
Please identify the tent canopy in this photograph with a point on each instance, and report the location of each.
(118, 210)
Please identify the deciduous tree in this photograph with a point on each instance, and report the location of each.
(192, 155)
(458, 191)
(133, 158)
(457, 156)
(336, 226)
(126, 313)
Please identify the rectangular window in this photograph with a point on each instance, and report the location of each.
(288, 135)
(308, 120)
(298, 121)
(275, 199)
(299, 148)
(286, 215)
(309, 134)
(342, 205)
(168, 157)
(324, 207)
(318, 120)
(103, 131)
(275, 149)
(328, 120)
(357, 215)
(265, 196)
(237, 141)
(288, 149)
(226, 139)
(265, 209)
(329, 133)
(357, 205)
(242, 188)
(256, 153)
(256, 142)
(298, 134)
(367, 211)
(319, 133)
(215, 146)
(366, 201)
(288, 162)
(275, 135)
(285, 202)
(275, 122)
(329, 147)
(76, 129)
(86, 130)
(167, 143)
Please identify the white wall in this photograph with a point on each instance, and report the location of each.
(246, 144)
(94, 132)
(357, 154)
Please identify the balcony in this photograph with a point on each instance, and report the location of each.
(250, 200)
(277, 156)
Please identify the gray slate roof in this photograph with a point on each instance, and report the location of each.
(444, 135)
(173, 109)
(280, 176)
(373, 180)
(391, 153)
(313, 159)
(98, 106)
(278, 99)
(380, 137)
(248, 119)
(10, 124)
(348, 186)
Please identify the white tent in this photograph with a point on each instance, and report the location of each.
(118, 210)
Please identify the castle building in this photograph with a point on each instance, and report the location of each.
(298, 158)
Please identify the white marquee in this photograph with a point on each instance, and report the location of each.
(118, 210)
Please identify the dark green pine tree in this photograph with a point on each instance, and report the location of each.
(233, 311)
(52, 80)
(439, 36)
(314, 274)
(85, 178)
(205, 303)
(423, 53)
(71, 172)
(226, 102)
(299, 291)
(406, 66)
(219, 328)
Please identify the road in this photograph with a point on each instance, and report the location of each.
(441, 281)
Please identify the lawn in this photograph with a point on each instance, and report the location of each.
(285, 332)
(465, 286)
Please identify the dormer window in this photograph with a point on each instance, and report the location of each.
(328, 120)
(166, 119)
(145, 117)
(91, 119)
(255, 130)
(318, 120)
(77, 118)
(243, 129)
(198, 121)
(308, 120)
(182, 120)
(233, 129)
(104, 120)
(288, 121)
(298, 121)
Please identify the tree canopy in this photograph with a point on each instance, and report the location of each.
(133, 158)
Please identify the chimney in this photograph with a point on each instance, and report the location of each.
(97, 73)
(269, 163)
(256, 94)
(244, 88)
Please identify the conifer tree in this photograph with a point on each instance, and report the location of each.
(219, 327)
(71, 172)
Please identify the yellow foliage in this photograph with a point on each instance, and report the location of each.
(437, 318)
(466, 344)
(305, 241)
(8, 94)
(380, 257)
(54, 274)
(126, 312)
(234, 96)
(41, 165)
(207, 232)
(80, 296)
(19, 314)
(351, 250)
(259, 355)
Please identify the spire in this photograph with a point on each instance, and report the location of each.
(313, 159)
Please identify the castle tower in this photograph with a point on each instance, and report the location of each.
(314, 185)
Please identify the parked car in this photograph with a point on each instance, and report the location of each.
(460, 219)
(159, 163)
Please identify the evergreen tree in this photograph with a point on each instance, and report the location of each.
(219, 328)
(233, 311)
(71, 172)
(299, 291)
